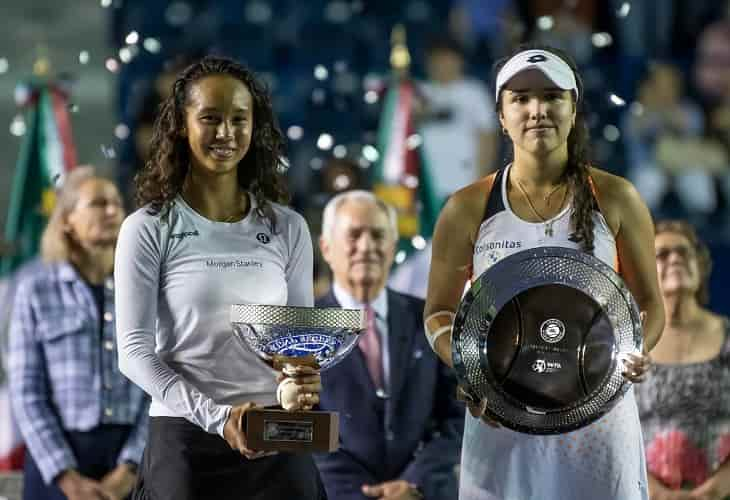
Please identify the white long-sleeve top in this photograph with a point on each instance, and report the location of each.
(177, 274)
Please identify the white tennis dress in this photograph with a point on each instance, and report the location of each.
(603, 461)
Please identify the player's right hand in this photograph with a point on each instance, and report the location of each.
(234, 434)
(477, 409)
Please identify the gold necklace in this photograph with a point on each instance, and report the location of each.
(548, 223)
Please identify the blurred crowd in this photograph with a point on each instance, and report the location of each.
(657, 80)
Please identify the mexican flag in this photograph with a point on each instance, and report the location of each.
(401, 174)
(46, 153)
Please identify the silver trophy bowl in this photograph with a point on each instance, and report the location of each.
(541, 334)
(325, 334)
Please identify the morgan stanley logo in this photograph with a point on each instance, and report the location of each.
(184, 234)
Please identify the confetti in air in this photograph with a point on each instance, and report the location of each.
(545, 23)
(295, 132)
(316, 163)
(132, 38)
(341, 182)
(611, 133)
(320, 72)
(152, 45)
(121, 131)
(636, 108)
(125, 54)
(17, 126)
(616, 100)
(601, 40)
(112, 65)
(108, 152)
(418, 242)
(325, 142)
(370, 153)
(371, 97)
(414, 141)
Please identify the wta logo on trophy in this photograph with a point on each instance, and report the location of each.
(552, 330)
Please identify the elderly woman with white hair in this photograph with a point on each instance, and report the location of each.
(83, 422)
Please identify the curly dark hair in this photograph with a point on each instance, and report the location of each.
(258, 172)
(702, 253)
(576, 173)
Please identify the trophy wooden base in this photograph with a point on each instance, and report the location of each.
(275, 429)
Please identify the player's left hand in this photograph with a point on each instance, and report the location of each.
(299, 387)
(637, 367)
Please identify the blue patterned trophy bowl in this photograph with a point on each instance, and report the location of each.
(325, 334)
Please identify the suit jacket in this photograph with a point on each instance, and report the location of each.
(414, 433)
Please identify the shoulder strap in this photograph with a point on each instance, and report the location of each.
(597, 197)
(494, 202)
(596, 194)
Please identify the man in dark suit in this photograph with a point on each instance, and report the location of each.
(400, 423)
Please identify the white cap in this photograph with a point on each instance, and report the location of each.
(552, 66)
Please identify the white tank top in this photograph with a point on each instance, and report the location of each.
(503, 233)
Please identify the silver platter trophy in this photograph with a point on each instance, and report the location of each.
(281, 335)
(541, 335)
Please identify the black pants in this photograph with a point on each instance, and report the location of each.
(96, 452)
(183, 462)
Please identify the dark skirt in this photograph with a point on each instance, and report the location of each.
(96, 452)
(183, 462)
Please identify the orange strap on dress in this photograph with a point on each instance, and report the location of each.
(596, 196)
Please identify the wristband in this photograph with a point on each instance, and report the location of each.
(437, 324)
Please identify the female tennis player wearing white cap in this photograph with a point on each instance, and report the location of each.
(548, 196)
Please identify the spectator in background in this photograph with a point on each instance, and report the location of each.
(143, 120)
(400, 423)
(566, 25)
(337, 175)
(143, 105)
(666, 148)
(457, 121)
(684, 406)
(712, 64)
(11, 441)
(83, 422)
(488, 28)
(458, 124)
(643, 30)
